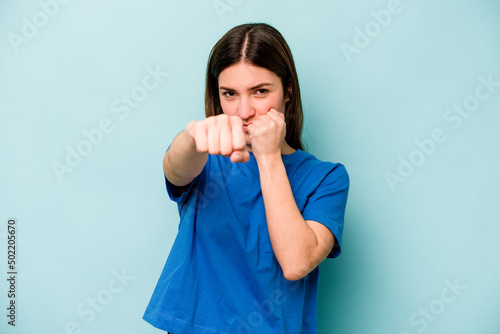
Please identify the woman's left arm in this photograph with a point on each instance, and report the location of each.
(299, 245)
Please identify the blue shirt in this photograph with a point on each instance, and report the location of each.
(221, 275)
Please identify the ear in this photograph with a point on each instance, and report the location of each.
(288, 92)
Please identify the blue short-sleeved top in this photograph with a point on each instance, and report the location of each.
(221, 275)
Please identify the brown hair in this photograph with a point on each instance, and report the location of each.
(261, 45)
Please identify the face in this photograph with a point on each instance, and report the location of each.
(249, 91)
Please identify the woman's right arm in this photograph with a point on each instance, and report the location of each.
(182, 162)
(189, 150)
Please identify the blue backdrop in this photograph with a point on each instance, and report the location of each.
(405, 93)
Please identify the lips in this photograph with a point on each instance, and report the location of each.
(247, 135)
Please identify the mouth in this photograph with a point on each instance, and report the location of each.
(247, 135)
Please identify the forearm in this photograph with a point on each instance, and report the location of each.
(294, 242)
(182, 162)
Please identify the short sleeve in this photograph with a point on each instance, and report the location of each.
(173, 190)
(326, 205)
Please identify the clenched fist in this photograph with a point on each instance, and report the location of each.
(221, 134)
(267, 133)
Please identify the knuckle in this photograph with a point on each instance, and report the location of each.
(211, 120)
(222, 121)
(191, 127)
(235, 120)
(223, 118)
(190, 124)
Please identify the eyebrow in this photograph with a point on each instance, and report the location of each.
(251, 88)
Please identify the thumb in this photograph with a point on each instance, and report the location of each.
(240, 156)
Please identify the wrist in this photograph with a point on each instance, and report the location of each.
(269, 161)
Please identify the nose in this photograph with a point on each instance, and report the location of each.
(245, 109)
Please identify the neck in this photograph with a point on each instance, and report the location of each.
(285, 148)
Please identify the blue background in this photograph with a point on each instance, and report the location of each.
(405, 242)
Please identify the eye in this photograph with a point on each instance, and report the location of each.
(229, 93)
(261, 91)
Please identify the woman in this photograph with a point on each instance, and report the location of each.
(257, 213)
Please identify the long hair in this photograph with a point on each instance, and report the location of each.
(261, 45)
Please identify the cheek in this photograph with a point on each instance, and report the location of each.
(228, 108)
(275, 103)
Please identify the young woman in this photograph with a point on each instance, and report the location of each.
(257, 213)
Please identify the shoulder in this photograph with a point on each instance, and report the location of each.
(305, 164)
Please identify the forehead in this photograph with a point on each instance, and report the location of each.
(246, 75)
